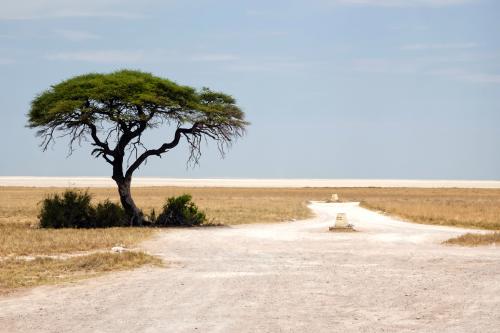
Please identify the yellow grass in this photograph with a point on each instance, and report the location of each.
(475, 239)
(24, 240)
(479, 208)
(19, 205)
(21, 273)
(470, 208)
(238, 205)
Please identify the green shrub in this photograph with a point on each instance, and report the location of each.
(180, 211)
(109, 214)
(72, 209)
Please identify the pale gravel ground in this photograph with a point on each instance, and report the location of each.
(391, 276)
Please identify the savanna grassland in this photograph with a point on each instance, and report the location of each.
(468, 208)
(19, 235)
(15, 273)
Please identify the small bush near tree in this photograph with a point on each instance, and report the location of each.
(180, 211)
(109, 214)
(70, 210)
(73, 209)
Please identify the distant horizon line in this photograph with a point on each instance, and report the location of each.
(146, 181)
(266, 178)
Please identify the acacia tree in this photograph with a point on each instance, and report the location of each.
(112, 112)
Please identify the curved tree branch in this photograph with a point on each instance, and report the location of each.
(162, 149)
(103, 145)
(103, 149)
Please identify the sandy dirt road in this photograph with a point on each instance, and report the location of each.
(391, 276)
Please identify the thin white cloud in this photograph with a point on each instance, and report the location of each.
(405, 3)
(43, 9)
(5, 36)
(100, 56)
(468, 76)
(255, 12)
(428, 66)
(277, 33)
(213, 57)
(76, 36)
(481, 77)
(439, 46)
(387, 66)
(6, 61)
(141, 56)
(410, 27)
(267, 65)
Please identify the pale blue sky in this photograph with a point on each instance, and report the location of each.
(333, 88)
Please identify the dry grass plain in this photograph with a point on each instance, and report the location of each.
(468, 208)
(28, 273)
(472, 208)
(475, 239)
(476, 208)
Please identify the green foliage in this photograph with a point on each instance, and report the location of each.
(130, 97)
(70, 210)
(180, 211)
(109, 214)
(73, 209)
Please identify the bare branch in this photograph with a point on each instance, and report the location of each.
(162, 149)
(97, 141)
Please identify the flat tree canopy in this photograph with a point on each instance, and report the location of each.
(113, 110)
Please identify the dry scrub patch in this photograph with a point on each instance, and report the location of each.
(17, 240)
(470, 208)
(15, 273)
(475, 239)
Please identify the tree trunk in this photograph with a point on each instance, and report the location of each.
(135, 215)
